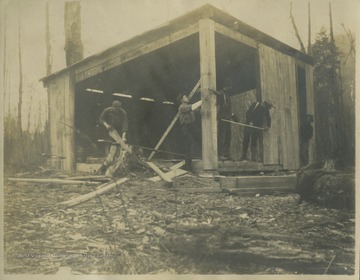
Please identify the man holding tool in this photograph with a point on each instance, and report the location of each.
(187, 119)
(255, 115)
(115, 120)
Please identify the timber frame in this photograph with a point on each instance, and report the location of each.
(275, 67)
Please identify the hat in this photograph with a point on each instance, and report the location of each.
(269, 104)
(116, 104)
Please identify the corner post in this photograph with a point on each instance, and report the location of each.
(208, 81)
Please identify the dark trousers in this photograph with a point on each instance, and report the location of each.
(224, 138)
(253, 135)
(187, 132)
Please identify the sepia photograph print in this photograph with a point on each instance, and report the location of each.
(178, 138)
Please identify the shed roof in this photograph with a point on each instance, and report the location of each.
(179, 23)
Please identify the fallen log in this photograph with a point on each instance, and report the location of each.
(54, 181)
(326, 186)
(80, 199)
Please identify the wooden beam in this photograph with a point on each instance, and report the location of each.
(208, 81)
(171, 174)
(259, 183)
(235, 35)
(171, 125)
(52, 181)
(178, 165)
(80, 199)
(159, 172)
(130, 52)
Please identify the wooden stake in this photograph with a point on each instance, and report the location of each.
(80, 199)
(242, 124)
(296, 30)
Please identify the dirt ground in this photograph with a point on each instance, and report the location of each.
(141, 227)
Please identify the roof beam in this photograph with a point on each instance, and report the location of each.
(123, 55)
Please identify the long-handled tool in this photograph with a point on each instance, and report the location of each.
(145, 148)
(242, 124)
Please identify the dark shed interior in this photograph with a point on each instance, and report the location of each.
(159, 76)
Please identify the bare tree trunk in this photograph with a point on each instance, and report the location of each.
(5, 72)
(48, 44)
(296, 30)
(20, 101)
(331, 25)
(309, 29)
(73, 45)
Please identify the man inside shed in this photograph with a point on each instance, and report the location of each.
(224, 112)
(255, 116)
(187, 120)
(113, 118)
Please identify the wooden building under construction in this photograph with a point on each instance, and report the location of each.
(148, 72)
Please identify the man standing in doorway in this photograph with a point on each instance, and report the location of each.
(187, 119)
(255, 116)
(113, 118)
(224, 112)
(306, 133)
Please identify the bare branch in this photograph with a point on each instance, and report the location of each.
(296, 30)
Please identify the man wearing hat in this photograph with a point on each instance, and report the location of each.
(255, 116)
(114, 117)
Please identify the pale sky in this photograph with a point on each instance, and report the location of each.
(109, 22)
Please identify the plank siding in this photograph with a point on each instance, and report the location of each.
(61, 103)
(278, 84)
(208, 81)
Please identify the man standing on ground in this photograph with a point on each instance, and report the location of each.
(187, 119)
(255, 115)
(113, 118)
(306, 133)
(224, 112)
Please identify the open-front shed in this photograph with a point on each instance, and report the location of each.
(148, 71)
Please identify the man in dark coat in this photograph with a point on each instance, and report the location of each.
(255, 116)
(114, 117)
(306, 133)
(224, 112)
(187, 119)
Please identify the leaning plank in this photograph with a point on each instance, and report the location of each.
(178, 165)
(159, 172)
(54, 181)
(80, 199)
(167, 131)
(171, 174)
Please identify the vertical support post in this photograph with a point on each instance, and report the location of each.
(69, 131)
(208, 81)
